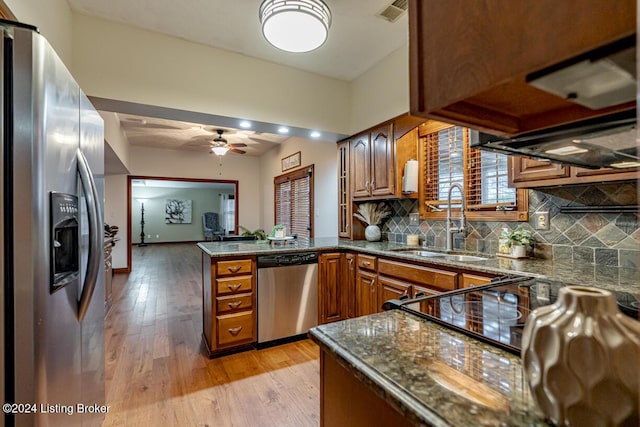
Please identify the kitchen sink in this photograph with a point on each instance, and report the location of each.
(464, 257)
(442, 255)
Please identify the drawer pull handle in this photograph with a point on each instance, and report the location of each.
(235, 304)
(366, 263)
(234, 286)
(234, 269)
(235, 331)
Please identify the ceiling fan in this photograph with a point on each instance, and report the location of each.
(220, 145)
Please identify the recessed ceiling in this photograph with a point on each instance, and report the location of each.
(176, 135)
(358, 38)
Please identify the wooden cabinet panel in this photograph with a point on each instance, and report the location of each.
(360, 166)
(469, 60)
(332, 290)
(473, 280)
(528, 173)
(235, 329)
(436, 278)
(228, 316)
(366, 262)
(234, 303)
(350, 282)
(524, 169)
(230, 285)
(345, 211)
(366, 293)
(389, 288)
(234, 267)
(382, 164)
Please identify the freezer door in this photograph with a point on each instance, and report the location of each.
(46, 138)
(92, 325)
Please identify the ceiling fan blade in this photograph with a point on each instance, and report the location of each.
(236, 145)
(235, 150)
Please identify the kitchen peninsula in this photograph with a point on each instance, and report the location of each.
(377, 366)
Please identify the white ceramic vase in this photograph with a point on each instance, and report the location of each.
(580, 356)
(372, 233)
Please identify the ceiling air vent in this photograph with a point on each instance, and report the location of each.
(394, 11)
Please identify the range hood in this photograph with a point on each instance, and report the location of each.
(609, 141)
(602, 78)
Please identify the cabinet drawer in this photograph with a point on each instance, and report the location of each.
(234, 303)
(367, 262)
(235, 328)
(229, 285)
(440, 279)
(473, 280)
(238, 266)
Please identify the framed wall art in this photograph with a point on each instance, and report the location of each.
(292, 161)
(177, 211)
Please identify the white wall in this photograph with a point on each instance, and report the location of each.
(54, 20)
(157, 230)
(323, 155)
(125, 63)
(116, 137)
(382, 92)
(115, 213)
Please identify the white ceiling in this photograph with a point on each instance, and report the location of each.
(358, 39)
(176, 135)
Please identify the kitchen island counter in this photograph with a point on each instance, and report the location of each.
(614, 278)
(429, 374)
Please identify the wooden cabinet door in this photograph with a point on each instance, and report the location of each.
(524, 170)
(469, 59)
(345, 216)
(389, 288)
(382, 164)
(360, 166)
(474, 280)
(349, 279)
(366, 293)
(330, 292)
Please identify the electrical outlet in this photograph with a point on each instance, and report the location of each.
(414, 218)
(148, 236)
(541, 220)
(157, 236)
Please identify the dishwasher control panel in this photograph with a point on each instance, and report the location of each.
(280, 260)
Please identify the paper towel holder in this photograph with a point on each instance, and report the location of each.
(410, 177)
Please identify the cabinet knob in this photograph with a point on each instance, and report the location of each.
(366, 263)
(234, 269)
(234, 286)
(234, 304)
(235, 331)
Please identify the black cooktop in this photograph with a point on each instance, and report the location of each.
(496, 313)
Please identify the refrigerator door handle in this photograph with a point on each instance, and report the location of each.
(95, 234)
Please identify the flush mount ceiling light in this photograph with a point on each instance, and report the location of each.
(295, 25)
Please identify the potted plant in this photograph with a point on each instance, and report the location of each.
(259, 233)
(372, 214)
(518, 240)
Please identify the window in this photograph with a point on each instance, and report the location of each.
(447, 159)
(294, 202)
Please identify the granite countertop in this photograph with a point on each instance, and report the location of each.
(614, 278)
(430, 374)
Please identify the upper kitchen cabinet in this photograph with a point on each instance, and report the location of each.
(475, 63)
(372, 165)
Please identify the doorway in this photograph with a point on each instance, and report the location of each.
(169, 210)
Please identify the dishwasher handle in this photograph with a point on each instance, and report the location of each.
(283, 260)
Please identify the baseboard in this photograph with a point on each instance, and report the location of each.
(168, 243)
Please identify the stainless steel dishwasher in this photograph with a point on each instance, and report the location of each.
(287, 296)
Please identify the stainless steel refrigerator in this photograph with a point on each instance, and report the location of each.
(51, 235)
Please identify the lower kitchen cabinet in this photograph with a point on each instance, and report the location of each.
(389, 288)
(337, 287)
(229, 302)
(366, 293)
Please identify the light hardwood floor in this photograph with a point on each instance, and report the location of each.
(157, 375)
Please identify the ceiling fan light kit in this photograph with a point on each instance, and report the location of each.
(295, 25)
(220, 151)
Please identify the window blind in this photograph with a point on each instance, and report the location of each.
(444, 164)
(489, 180)
(294, 202)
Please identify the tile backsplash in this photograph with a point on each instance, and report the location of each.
(611, 238)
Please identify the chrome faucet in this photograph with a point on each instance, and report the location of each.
(450, 229)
